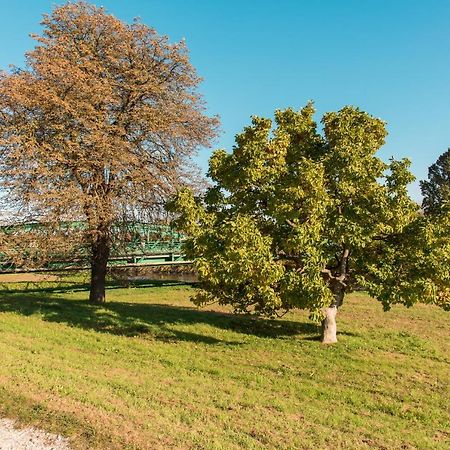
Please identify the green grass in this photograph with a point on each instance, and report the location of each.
(150, 371)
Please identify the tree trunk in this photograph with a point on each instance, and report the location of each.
(99, 261)
(338, 287)
(329, 328)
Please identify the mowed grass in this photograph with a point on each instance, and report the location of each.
(150, 371)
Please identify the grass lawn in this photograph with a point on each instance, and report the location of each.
(150, 371)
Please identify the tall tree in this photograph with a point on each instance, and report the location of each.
(296, 219)
(100, 124)
(436, 190)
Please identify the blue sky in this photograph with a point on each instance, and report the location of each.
(391, 58)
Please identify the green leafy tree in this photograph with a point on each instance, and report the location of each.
(297, 219)
(436, 191)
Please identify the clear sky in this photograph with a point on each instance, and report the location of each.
(391, 58)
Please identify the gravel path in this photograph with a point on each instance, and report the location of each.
(29, 438)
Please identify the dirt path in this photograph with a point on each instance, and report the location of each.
(29, 438)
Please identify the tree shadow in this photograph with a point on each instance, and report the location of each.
(157, 321)
(64, 286)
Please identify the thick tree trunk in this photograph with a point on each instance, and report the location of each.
(329, 328)
(99, 261)
(338, 287)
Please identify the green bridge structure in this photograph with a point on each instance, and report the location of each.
(141, 244)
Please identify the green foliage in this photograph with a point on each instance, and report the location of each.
(413, 265)
(436, 191)
(296, 219)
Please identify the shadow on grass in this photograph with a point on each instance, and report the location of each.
(64, 286)
(158, 321)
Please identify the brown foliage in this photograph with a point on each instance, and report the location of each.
(27, 246)
(101, 123)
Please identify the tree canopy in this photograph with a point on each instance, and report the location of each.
(436, 190)
(99, 126)
(296, 219)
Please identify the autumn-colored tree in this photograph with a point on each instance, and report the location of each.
(436, 190)
(297, 219)
(99, 125)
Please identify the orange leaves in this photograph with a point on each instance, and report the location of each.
(99, 96)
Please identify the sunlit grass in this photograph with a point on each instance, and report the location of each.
(148, 370)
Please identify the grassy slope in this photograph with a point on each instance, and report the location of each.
(149, 371)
